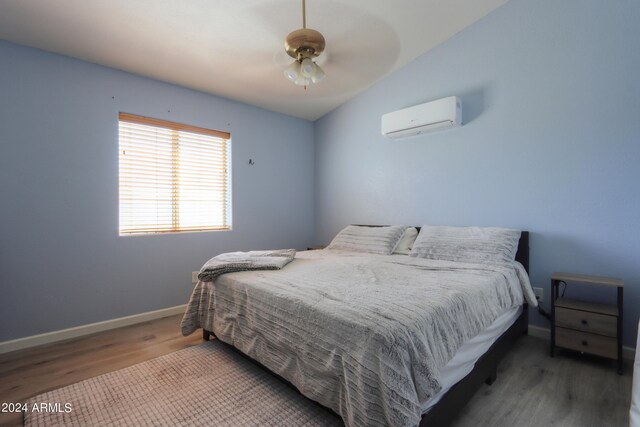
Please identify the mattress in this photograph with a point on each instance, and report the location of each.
(365, 335)
(466, 357)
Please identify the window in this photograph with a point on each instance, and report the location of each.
(173, 177)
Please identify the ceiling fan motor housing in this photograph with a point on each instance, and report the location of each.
(304, 43)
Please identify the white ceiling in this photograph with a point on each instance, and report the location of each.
(234, 48)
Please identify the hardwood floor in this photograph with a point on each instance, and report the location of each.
(532, 389)
(26, 373)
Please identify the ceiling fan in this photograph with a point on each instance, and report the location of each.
(304, 45)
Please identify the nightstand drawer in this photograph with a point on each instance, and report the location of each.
(588, 343)
(587, 322)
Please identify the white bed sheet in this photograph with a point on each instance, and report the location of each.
(467, 355)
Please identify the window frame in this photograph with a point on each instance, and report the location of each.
(176, 128)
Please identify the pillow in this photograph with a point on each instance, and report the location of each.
(375, 240)
(406, 241)
(480, 245)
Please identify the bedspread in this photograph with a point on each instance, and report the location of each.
(365, 335)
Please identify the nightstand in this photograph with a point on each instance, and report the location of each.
(587, 327)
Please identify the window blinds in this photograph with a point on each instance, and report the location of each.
(173, 177)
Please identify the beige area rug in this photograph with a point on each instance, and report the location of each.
(209, 384)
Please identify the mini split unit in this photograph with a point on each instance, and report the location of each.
(435, 115)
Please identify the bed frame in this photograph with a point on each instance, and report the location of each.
(485, 369)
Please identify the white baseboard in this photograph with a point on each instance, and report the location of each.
(544, 333)
(92, 328)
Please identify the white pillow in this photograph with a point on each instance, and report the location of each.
(406, 241)
(375, 240)
(489, 245)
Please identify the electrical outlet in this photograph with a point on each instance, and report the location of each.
(194, 276)
(539, 293)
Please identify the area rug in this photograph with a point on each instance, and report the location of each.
(209, 384)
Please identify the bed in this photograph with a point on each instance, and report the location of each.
(366, 334)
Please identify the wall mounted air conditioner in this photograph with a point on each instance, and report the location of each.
(440, 114)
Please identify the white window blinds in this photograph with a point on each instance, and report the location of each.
(173, 177)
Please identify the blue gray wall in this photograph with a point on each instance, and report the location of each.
(551, 141)
(62, 263)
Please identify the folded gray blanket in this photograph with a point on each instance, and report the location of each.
(243, 261)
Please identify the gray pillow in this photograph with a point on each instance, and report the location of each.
(405, 243)
(479, 245)
(375, 240)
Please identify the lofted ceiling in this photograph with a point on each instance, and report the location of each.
(234, 48)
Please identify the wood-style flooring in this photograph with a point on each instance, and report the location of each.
(532, 389)
(26, 373)
(569, 390)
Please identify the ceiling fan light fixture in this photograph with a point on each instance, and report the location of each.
(318, 74)
(302, 81)
(292, 71)
(304, 45)
(307, 67)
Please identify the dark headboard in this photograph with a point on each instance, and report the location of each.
(522, 255)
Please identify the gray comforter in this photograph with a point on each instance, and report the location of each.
(365, 335)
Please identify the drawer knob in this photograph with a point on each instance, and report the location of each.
(584, 343)
(584, 322)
